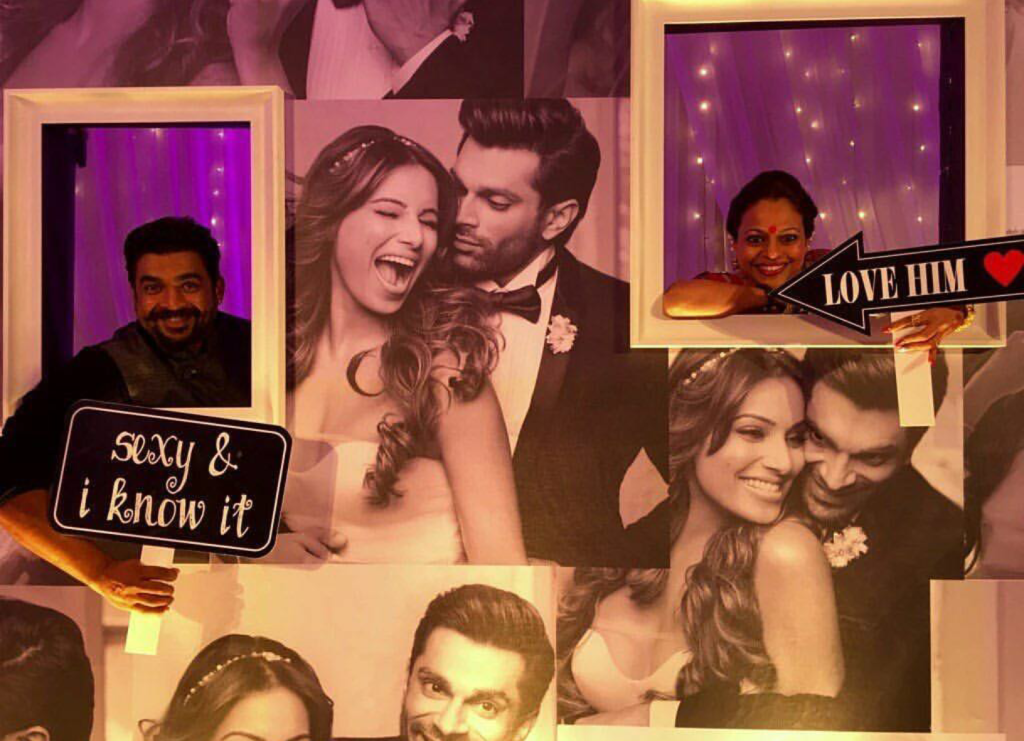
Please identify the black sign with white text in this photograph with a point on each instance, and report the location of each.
(847, 284)
(171, 479)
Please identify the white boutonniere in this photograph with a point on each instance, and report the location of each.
(847, 545)
(463, 25)
(561, 334)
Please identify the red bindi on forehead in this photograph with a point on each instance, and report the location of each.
(772, 229)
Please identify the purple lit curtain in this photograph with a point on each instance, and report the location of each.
(852, 112)
(134, 175)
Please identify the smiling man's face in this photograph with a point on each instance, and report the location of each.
(850, 452)
(461, 689)
(175, 298)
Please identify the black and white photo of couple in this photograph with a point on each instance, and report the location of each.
(317, 49)
(804, 540)
(460, 384)
(459, 652)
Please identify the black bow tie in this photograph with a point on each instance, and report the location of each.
(525, 301)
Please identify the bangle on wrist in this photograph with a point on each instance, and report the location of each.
(968, 319)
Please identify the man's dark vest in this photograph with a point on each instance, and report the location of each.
(218, 376)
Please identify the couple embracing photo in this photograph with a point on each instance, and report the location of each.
(803, 542)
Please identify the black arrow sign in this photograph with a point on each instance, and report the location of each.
(847, 285)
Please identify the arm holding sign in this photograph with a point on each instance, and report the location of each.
(29, 449)
(129, 585)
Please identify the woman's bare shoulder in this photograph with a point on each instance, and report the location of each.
(792, 548)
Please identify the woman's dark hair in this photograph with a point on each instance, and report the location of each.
(45, 676)
(230, 669)
(989, 452)
(720, 615)
(772, 185)
(721, 621)
(178, 40)
(23, 24)
(439, 329)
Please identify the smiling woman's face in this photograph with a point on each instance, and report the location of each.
(750, 475)
(273, 715)
(771, 244)
(384, 246)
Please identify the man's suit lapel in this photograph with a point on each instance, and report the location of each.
(554, 366)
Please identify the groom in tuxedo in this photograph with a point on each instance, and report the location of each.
(859, 474)
(579, 405)
(887, 534)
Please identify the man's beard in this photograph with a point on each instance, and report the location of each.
(486, 261)
(826, 513)
(174, 344)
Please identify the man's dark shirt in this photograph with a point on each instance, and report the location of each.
(130, 368)
(914, 535)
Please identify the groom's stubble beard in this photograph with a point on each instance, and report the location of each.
(831, 509)
(489, 261)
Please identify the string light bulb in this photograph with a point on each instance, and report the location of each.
(703, 71)
(704, 105)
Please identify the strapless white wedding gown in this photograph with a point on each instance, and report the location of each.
(418, 527)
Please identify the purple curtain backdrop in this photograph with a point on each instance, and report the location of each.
(850, 111)
(134, 175)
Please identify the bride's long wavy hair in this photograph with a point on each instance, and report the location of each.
(175, 43)
(721, 620)
(441, 331)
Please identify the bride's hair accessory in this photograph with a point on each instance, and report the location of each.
(712, 361)
(847, 545)
(352, 153)
(268, 656)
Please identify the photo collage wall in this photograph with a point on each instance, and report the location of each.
(495, 518)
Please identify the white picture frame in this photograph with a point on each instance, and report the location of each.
(985, 165)
(25, 114)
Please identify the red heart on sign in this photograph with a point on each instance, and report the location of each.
(1004, 268)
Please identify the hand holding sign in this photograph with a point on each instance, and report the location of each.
(132, 585)
(930, 326)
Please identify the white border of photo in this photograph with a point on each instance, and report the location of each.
(25, 113)
(985, 164)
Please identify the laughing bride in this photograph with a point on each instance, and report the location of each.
(400, 452)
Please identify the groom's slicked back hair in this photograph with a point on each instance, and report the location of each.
(868, 379)
(494, 617)
(554, 130)
(45, 676)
